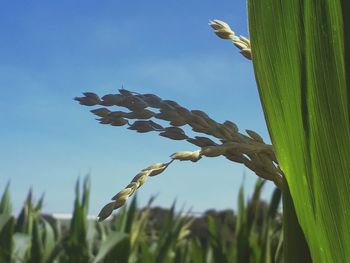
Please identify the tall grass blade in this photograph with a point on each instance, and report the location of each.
(76, 245)
(7, 223)
(6, 237)
(130, 215)
(247, 248)
(301, 59)
(215, 242)
(197, 253)
(115, 249)
(37, 247)
(5, 203)
(49, 241)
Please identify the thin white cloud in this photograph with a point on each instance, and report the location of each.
(189, 75)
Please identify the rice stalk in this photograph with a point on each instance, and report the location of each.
(249, 150)
(220, 139)
(224, 31)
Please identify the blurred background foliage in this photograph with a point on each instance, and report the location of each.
(149, 234)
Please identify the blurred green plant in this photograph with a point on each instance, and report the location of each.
(134, 235)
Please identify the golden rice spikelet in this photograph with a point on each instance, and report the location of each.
(122, 193)
(224, 31)
(106, 211)
(156, 169)
(213, 151)
(255, 136)
(187, 156)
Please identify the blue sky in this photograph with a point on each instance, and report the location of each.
(52, 51)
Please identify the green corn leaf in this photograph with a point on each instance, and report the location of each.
(138, 234)
(86, 194)
(145, 255)
(6, 237)
(301, 58)
(76, 245)
(267, 250)
(274, 203)
(247, 246)
(49, 242)
(197, 255)
(253, 204)
(101, 231)
(116, 248)
(164, 246)
(121, 219)
(241, 212)
(267, 255)
(5, 202)
(37, 248)
(170, 235)
(215, 242)
(278, 257)
(91, 234)
(21, 246)
(40, 204)
(6, 226)
(24, 222)
(130, 216)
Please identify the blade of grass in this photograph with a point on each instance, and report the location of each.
(36, 248)
(49, 242)
(6, 238)
(76, 244)
(215, 242)
(301, 60)
(114, 249)
(5, 203)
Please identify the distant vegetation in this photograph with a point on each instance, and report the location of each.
(150, 234)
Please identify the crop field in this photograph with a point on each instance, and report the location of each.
(148, 234)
